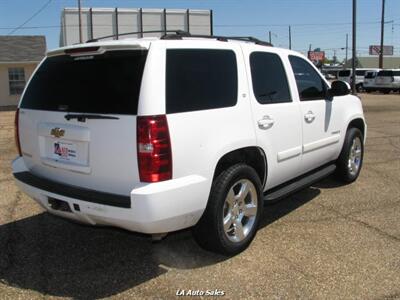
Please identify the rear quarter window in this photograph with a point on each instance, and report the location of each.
(199, 79)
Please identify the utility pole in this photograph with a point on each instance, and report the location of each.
(290, 37)
(353, 63)
(382, 33)
(309, 47)
(80, 21)
(347, 47)
(270, 40)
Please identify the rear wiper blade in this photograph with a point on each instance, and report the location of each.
(83, 117)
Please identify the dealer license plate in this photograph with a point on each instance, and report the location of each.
(64, 151)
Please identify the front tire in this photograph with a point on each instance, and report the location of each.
(234, 208)
(350, 160)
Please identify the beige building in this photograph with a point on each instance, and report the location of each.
(389, 62)
(19, 56)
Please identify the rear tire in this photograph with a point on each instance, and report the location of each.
(350, 160)
(234, 208)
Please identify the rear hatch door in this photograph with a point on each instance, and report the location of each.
(384, 78)
(77, 119)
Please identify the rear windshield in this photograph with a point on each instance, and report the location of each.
(108, 83)
(370, 75)
(344, 73)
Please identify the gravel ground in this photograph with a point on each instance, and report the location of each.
(327, 241)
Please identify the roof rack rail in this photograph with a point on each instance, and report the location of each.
(182, 34)
(251, 39)
(177, 32)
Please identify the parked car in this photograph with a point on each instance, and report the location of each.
(369, 81)
(388, 80)
(159, 134)
(346, 75)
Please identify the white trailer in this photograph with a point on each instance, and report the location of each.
(98, 22)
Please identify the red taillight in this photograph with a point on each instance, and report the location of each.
(16, 132)
(154, 149)
(81, 50)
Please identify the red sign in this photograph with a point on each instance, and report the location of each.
(316, 55)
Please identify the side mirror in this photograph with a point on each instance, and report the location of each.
(339, 88)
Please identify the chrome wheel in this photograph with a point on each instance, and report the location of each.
(355, 155)
(240, 210)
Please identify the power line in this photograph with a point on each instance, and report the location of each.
(216, 25)
(31, 17)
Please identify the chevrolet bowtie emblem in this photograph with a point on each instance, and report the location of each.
(57, 132)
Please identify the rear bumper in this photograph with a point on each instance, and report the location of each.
(151, 208)
(72, 191)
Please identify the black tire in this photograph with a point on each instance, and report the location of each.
(209, 232)
(344, 172)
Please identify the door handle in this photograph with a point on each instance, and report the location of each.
(309, 116)
(266, 122)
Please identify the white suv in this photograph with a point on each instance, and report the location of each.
(388, 80)
(159, 134)
(346, 75)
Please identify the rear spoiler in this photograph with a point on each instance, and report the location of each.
(93, 50)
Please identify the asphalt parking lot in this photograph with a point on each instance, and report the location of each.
(328, 241)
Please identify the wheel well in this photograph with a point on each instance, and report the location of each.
(252, 156)
(357, 123)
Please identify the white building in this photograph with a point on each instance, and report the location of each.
(98, 22)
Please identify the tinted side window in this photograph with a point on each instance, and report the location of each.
(360, 72)
(309, 83)
(198, 79)
(344, 73)
(270, 84)
(385, 73)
